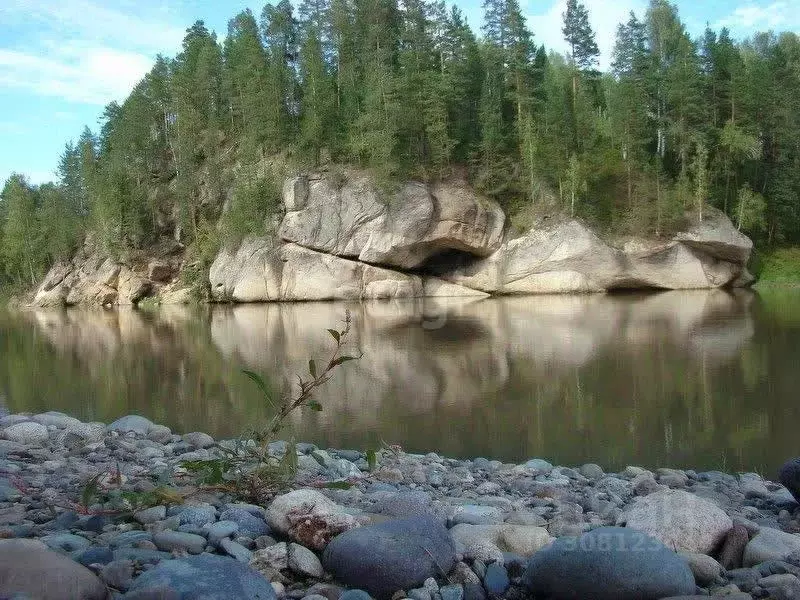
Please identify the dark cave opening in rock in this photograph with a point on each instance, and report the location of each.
(447, 261)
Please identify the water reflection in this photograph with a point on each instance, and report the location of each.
(698, 379)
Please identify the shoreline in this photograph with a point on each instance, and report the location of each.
(490, 518)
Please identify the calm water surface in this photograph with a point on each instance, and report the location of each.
(700, 380)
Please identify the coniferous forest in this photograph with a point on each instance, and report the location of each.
(407, 90)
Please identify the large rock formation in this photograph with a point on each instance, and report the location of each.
(343, 237)
(261, 270)
(93, 278)
(346, 239)
(403, 228)
(568, 257)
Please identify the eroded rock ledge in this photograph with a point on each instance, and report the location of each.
(346, 240)
(343, 237)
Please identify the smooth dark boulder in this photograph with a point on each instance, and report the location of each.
(789, 476)
(609, 563)
(390, 556)
(29, 569)
(204, 577)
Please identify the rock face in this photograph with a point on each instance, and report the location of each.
(568, 257)
(344, 237)
(92, 278)
(349, 240)
(682, 521)
(28, 569)
(609, 563)
(353, 219)
(261, 271)
(391, 556)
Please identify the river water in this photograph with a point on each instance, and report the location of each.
(703, 380)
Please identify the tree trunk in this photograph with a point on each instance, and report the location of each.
(630, 185)
(658, 204)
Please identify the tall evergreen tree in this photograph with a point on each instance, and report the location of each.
(279, 29)
(580, 38)
(22, 247)
(247, 81)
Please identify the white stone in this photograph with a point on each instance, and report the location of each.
(682, 521)
(479, 541)
(770, 544)
(26, 433)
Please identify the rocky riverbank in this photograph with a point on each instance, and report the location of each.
(422, 527)
(343, 237)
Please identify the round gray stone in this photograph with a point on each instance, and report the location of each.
(134, 423)
(609, 563)
(789, 476)
(205, 577)
(178, 540)
(26, 433)
(390, 556)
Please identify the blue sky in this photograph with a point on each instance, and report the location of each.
(61, 61)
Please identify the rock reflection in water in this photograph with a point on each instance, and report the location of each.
(691, 379)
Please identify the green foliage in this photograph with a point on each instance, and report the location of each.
(256, 196)
(779, 266)
(247, 468)
(407, 90)
(372, 459)
(579, 36)
(38, 225)
(750, 210)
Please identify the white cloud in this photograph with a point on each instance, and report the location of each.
(94, 20)
(751, 17)
(81, 50)
(90, 75)
(603, 15)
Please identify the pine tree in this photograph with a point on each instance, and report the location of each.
(345, 43)
(70, 175)
(462, 77)
(246, 80)
(578, 33)
(494, 164)
(701, 178)
(373, 136)
(317, 118)
(583, 56)
(279, 29)
(629, 98)
(22, 248)
(58, 223)
(197, 89)
(575, 184)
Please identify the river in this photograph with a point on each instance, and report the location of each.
(702, 380)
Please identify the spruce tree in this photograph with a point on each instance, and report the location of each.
(246, 81)
(279, 29)
(22, 239)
